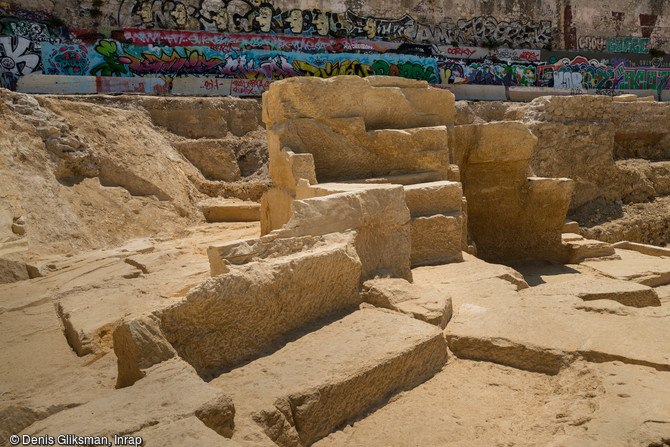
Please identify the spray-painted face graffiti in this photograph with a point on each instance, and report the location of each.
(295, 21)
(264, 18)
(180, 15)
(220, 19)
(370, 27)
(321, 22)
(146, 14)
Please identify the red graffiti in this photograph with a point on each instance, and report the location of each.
(460, 51)
(249, 87)
(212, 84)
(532, 56)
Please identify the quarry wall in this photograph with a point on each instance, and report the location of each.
(599, 45)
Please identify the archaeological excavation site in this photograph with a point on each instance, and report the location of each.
(237, 223)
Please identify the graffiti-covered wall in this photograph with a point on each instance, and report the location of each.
(618, 44)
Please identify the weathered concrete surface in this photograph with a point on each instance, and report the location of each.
(429, 304)
(237, 316)
(633, 266)
(171, 391)
(312, 385)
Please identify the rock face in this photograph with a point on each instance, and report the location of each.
(576, 139)
(511, 215)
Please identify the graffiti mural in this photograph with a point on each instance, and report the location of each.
(19, 56)
(262, 17)
(644, 78)
(628, 45)
(594, 74)
(592, 43)
(227, 43)
(487, 73)
(111, 58)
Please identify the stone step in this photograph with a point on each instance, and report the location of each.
(431, 304)
(579, 250)
(651, 271)
(590, 289)
(571, 237)
(305, 390)
(645, 249)
(225, 210)
(561, 330)
(171, 395)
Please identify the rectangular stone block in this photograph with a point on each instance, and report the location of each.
(436, 239)
(433, 198)
(239, 315)
(308, 388)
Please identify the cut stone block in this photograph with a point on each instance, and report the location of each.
(433, 198)
(579, 250)
(633, 266)
(236, 316)
(429, 304)
(171, 391)
(308, 388)
(500, 331)
(217, 210)
(589, 289)
(645, 249)
(571, 237)
(571, 226)
(436, 239)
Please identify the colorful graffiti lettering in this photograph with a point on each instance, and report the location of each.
(110, 58)
(594, 74)
(410, 70)
(344, 67)
(226, 43)
(487, 73)
(645, 78)
(628, 45)
(70, 61)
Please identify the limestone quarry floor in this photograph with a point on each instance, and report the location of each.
(560, 363)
